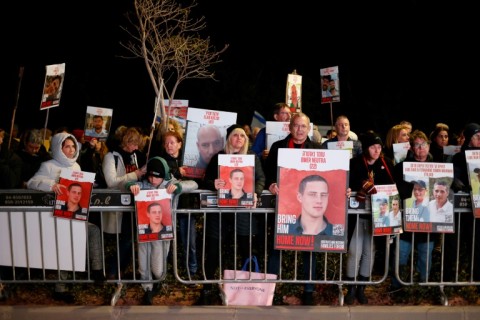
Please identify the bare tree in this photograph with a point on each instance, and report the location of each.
(169, 41)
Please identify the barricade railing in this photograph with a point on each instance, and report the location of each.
(29, 253)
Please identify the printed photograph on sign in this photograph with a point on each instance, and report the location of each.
(53, 86)
(238, 172)
(473, 166)
(74, 201)
(387, 216)
(311, 211)
(330, 85)
(205, 137)
(177, 112)
(430, 209)
(97, 123)
(154, 215)
(294, 92)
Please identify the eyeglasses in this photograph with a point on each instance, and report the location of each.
(420, 145)
(300, 126)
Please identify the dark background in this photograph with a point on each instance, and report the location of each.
(398, 60)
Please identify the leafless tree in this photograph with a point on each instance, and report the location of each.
(166, 36)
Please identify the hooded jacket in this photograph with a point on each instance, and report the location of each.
(49, 172)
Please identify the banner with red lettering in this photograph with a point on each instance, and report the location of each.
(154, 215)
(387, 216)
(205, 137)
(473, 166)
(341, 145)
(311, 211)
(74, 201)
(238, 172)
(430, 209)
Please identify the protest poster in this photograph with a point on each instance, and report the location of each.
(154, 215)
(205, 137)
(451, 150)
(473, 167)
(430, 209)
(311, 209)
(97, 123)
(177, 111)
(53, 86)
(341, 145)
(293, 95)
(400, 151)
(330, 85)
(74, 201)
(238, 172)
(387, 216)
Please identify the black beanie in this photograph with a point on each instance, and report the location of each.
(369, 139)
(157, 167)
(233, 127)
(469, 131)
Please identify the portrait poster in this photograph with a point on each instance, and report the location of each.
(293, 95)
(430, 208)
(473, 167)
(386, 210)
(53, 86)
(177, 111)
(330, 85)
(154, 215)
(311, 208)
(238, 172)
(74, 202)
(278, 130)
(341, 145)
(400, 151)
(97, 123)
(204, 137)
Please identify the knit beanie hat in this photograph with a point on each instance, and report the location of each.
(369, 139)
(469, 131)
(158, 167)
(233, 127)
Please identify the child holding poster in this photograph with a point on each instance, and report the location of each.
(153, 247)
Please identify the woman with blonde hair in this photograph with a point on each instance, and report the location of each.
(399, 133)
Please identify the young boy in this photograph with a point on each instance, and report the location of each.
(157, 177)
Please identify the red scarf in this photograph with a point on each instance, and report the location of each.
(291, 144)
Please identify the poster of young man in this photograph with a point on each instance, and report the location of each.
(330, 85)
(293, 96)
(177, 111)
(238, 172)
(97, 123)
(278, 130)
(74, 202)
(52, 88)
(205, 137)
(154, 215)
(387, 216)
(430, 209)
(311, 211)
(473, 166)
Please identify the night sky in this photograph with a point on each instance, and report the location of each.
(404, 60)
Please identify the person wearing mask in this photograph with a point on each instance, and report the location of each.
(369, 169)
(237, 143)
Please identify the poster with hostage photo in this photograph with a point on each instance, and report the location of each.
(238, 172)
(430, 209)
(387, 214)
(311, 210)
(154, 215)
(74, 201)
(205, 137)
(473, 166)
(97, 123)
(52, 88)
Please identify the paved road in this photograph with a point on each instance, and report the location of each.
(240, 313)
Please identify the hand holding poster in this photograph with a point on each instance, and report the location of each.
(154, 215)
(97, 123)
(430, 208)
(473, 166)
(205, 137)
(387, 216)
(312, 203)
(74, 202)
(238, 173)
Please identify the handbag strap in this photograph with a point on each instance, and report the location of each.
(254, 260)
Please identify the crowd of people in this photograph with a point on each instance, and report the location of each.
(122, 162)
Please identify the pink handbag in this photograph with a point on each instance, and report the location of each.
(248, 293)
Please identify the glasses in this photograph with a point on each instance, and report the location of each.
(300, 126)
(420, 145)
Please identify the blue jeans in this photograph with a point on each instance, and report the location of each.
(188, 237)
(424, 258)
